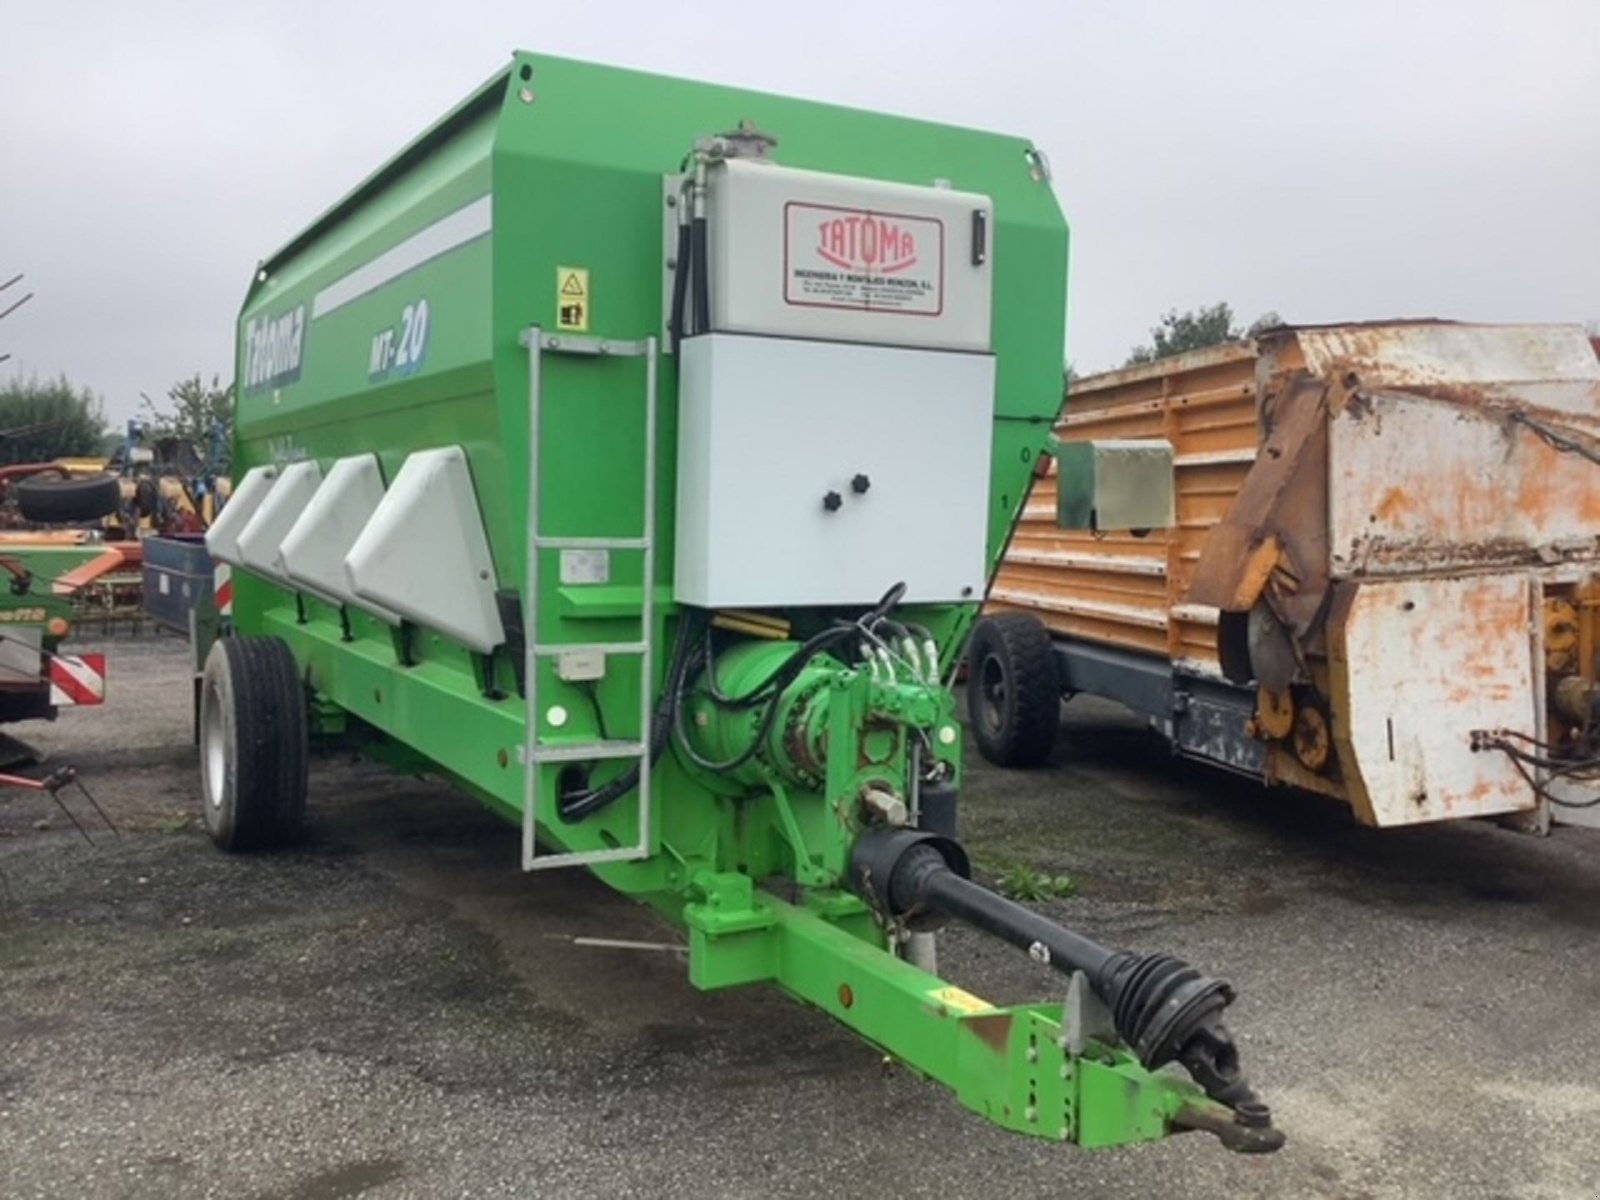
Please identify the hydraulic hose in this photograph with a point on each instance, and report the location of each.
(680, 286)
(582, 802)
(702, 277)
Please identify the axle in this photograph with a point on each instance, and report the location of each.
(1164, 1009)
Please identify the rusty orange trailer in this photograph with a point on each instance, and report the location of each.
(1381, 581)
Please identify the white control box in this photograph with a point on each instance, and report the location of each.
(811, 255)
(825, 472)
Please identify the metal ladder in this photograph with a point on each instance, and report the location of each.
(535, 752)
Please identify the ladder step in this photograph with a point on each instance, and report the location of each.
(569, 343)
(545, 649)
(584, 751)
(591, 543)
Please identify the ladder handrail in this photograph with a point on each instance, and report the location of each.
(538, 342)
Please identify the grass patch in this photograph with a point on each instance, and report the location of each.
(1021, 882)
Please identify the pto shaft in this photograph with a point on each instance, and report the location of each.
(1164, 1009)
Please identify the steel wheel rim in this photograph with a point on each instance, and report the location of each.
(213, 747)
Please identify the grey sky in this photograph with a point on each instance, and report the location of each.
(1333, 161)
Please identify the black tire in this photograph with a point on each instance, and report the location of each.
(1013, 697)
(253, 744)
(48, 498)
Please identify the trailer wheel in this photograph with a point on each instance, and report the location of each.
(1013, 697)
(47, 498)
(252, 744)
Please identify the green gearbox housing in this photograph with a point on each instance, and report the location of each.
(634, 453)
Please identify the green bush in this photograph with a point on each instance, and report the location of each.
(40, 421)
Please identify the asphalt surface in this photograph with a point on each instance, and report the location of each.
(393, 1010)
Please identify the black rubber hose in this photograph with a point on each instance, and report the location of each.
(702, 277)
(786, 673)
(576, 805)
(782, 675)
(680, 285)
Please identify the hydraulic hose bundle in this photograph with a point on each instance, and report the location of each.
(691, 279)
(692, 650)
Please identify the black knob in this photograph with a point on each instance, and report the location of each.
(833, 502)
(860, 484)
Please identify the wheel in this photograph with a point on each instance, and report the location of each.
(47, 498)
(252, 744)
(1013, 697)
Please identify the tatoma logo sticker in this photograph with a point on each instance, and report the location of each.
(879, 262)
(273, 346)
(863, 242)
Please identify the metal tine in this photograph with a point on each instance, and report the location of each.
(62, 805)
(95, 804)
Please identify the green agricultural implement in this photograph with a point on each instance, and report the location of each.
(635, 453)
(38, 676)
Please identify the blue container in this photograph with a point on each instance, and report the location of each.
(177, 577)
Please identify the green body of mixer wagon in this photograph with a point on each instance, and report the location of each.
(635, 453)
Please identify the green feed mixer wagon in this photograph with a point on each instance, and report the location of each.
(635, 454)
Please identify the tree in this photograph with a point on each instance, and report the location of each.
(1197, 329)
(1192, 330)
(193, 409)
(42, 421)
(1267, 320)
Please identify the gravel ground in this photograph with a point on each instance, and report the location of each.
(394, 1010)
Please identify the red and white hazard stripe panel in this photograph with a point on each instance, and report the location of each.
(222, 576)
(77, 679)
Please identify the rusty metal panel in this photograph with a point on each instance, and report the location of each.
(1273, 541)
(1473, 361)
(1416, 484)
(1444, 444)
(1418, 665)
(1456, 484)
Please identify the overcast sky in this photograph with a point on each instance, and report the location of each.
(1330, 161)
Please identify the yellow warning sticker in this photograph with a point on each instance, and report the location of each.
(960, 1001)
(572, 299)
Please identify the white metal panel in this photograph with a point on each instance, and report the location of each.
(768, 427)
(1427, 661)
(314, 549)
(1438, 463)
(813, 255)
(1440, 354)
(260, 540)
(1418, 484)
(424, 554)
(222, 539)
(467, 224)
